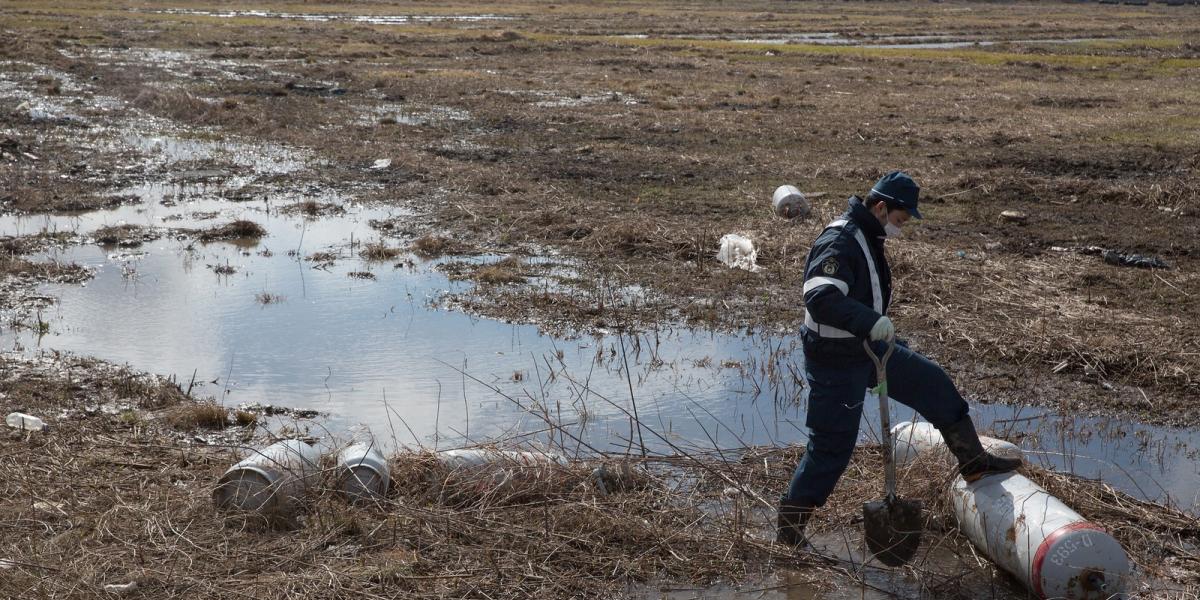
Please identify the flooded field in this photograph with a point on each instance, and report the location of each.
(263, 322)
(497, 224)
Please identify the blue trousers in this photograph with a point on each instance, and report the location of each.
(835, 405)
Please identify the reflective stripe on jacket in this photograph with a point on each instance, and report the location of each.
(847, 286)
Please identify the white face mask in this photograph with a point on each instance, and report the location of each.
(892, 231)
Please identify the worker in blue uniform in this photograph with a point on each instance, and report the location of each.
(847, 289)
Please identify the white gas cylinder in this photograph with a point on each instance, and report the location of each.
(1022, 528)
(1040, 540)
(789, 203)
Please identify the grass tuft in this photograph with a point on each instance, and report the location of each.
(240, 229)
(265, 298)
(433, 246)
(379, 251)
(507, 270)
(203, 415)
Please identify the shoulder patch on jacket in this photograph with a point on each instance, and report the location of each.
(829, 266)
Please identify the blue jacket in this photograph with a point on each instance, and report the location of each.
(847, 287)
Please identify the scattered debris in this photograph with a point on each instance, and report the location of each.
(24, 422)
(362, 472)
(273, 481)
(121, 589)
(315, 89)
(12, 150)
(738, 252)
(50, 508)
(271, 410)
(1140, 261)
(1117, 258)
(1014, 216)
(789, 202)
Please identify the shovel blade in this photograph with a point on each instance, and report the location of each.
(893, 530)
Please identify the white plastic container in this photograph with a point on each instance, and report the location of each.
(362, 472)
(789, 203)
(1025, 530)
(273, 480)
(25, 422)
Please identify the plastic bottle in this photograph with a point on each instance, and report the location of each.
(25, 422)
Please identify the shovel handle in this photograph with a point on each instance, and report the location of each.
(885, 420)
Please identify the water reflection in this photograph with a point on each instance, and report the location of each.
(382, 353)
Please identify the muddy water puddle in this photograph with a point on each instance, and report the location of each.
(370, 343)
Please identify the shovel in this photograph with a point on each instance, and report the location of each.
(892, 525)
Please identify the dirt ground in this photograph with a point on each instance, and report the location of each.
(619, 141)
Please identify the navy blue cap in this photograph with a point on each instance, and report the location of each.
(898, 190)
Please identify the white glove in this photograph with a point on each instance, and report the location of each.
(883, 330)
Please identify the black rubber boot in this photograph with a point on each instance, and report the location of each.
(973, 461)
(793, 518)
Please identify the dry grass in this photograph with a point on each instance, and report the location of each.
(506, 270)
(986, 306)
(185, 107)
(45, 270)
(245, 418)
(198, 415)
(124, 235)
(240, 229)
(265, 298)
(433, 246)
(379, 251)
(13, 246)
